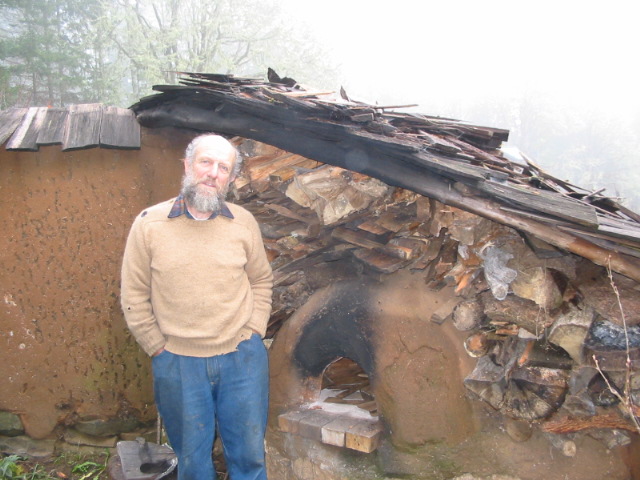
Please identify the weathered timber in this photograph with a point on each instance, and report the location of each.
(26, 134)
(540, 200)
(53, 125)
(286, 173)
(379, 260)
(119, 128)
(360, 238)
(9, 121)
(83, 126)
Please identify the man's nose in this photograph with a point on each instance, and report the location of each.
(213, 170)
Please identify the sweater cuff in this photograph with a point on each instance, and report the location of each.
(153, 343)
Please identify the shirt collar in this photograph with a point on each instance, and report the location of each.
(180, 208)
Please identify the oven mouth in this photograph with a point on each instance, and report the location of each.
(345, 413)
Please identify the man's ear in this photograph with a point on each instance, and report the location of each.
(186, 164)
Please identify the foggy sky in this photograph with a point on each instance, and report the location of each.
(449, 55)
(406, 50)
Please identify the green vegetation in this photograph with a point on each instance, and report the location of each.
(61, 52)
(64, 466)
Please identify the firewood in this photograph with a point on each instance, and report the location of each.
(478, 344)
(404, 248)
(285, 174)
(468, 315)
(487, 381)
(362, 239)
(538, 284)
(291, 214)
(533, 393)
(370, 406)
(380, 261)
(372, 226)
(570, 330)
(519, 311)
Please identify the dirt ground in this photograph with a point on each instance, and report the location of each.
(493, 451)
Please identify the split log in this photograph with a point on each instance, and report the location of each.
(533, 393)
(529, 393)
(570, 330)
(332, 193)
(599, 295)
(539, 285)
(487, 381)
(284, 174)
(468, 228)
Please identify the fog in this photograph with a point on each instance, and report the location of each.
(500, 61)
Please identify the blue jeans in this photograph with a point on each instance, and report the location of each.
(196, 395)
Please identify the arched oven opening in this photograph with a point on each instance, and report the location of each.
(346, 385)
(334, 360)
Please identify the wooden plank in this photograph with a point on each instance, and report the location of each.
(542, 201)
(52, 128)
(25, 136)
(361, 238)
(372, 226)
(380, 261)
(439, 143)
(364, 436)
(82, 128)
(9, 121)
(119, 128)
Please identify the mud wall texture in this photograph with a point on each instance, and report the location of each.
(64, 348)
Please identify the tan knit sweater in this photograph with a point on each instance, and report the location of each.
(196, 288)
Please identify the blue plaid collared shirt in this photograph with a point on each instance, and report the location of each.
(180, 208)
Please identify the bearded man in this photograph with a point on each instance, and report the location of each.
(196, 295)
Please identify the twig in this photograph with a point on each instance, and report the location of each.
(625, 397)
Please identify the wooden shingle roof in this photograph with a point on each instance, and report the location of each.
(75, 127)
(456, 163)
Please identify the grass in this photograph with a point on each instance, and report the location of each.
(65, 466)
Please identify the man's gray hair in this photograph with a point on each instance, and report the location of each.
(190, 152)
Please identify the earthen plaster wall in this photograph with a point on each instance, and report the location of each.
(64, 216)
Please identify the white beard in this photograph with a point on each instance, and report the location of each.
(201, 201)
